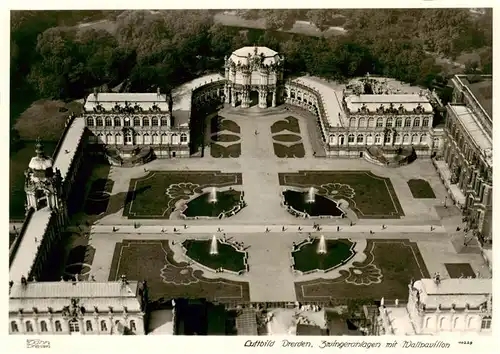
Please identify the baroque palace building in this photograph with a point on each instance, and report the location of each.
(467, 165)
(371, 118)
(437, 306)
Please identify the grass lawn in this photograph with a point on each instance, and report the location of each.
(283, 151)
(289, 123)
(458, 270)
(289, 138)
(153, 261)
(306, 257)
(45, 119)
(201, 205)
(148, 197)
(421, 188)
(19, 161)
(227, 258)
(219, 151)
(218, 124)
(386, 272)
(225, 138)
(374, 196)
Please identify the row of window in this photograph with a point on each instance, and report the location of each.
(485, 322)
(127, 122)
(360, 139)
(148, 139)
(379, 123)
(74, 326)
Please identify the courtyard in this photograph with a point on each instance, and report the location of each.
(405, 236)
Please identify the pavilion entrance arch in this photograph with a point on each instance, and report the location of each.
(254, 98)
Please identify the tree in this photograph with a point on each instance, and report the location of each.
(320, 17)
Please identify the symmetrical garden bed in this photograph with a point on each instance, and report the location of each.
(155, 195)
(420, 188)
(307, 260)
(228, 257)
(369, 196)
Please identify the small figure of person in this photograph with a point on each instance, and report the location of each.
(267, 229)
(351, 223)
(283, 229)
(338, 228)
(300, 229)
(175, 230)
(185, 226)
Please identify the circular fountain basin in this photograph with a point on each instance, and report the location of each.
(205, 206)
(307, 259)
(321, 206)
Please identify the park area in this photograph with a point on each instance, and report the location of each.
(167, 279)
(388, 269)
(421, 189)
(370, 196)
(154, 196)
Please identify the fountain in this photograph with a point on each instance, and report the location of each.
(214, 246)
(212, 198)
(322, 245)
(310, 196)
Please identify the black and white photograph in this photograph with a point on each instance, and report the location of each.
(283, 172)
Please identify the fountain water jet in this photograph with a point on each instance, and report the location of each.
(212, 198)
(322, 245)
(214, 246)
(311, 197)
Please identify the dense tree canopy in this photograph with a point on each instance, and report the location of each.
(151, 49)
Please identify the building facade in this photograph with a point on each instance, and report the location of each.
(38, 308)
(468, 173)
(256, 70)
(441, 306)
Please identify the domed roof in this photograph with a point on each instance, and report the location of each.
(245, 54)
(40, 162)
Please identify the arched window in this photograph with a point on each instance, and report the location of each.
(175, 139)
(470, 322)
(43, 326)
(408, 122)
(132, 325)
(360, 139)
(423, 138)
(352, 122)
(99, 122)
(341, 140)
(369, 139)
(399, 122)
(118, 139)
(117, 322)
(427, 322)
(13, 327)
(406, 139)
(108, 122)
(441, 322)
(416, 122)
(156, 139)
(388, 122)
(164, 138)
(332, 139)
(387, 138)
(164, 121)
(74, 326)
(29, 326)
(371, 123)
(380, 122)
(350, 138)
(109, 139)
(58, 326)
(104, 326)
(147, 138)
(101, 139)
(398, 138)
(184, 138)
(118, 122)
(414, 138)
(486, 322)
(137, 122)
(362, 123)
(425, 122)
(90, 122)
(126, 122)
(377, 139)
(154, 122)
(145, 121)
(455, 322)
(88, 326)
